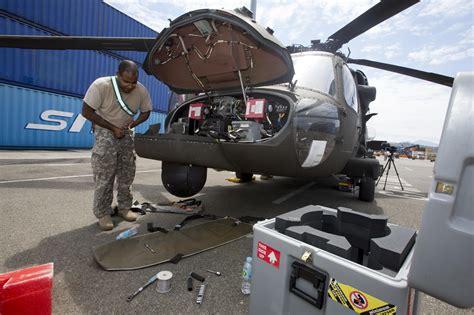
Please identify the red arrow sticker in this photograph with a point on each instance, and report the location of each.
(268, 254)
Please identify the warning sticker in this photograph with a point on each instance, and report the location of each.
(268, 254)
(358, 301)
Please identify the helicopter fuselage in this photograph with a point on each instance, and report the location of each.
(303, 129)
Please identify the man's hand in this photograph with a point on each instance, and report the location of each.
(132, 124)
(90, 114)
(118, 132)
(141, 118)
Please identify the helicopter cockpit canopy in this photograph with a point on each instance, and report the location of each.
(315, 70)
(209, 50)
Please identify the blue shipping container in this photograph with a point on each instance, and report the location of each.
(80, 18)
(38, 119)
(66, 72)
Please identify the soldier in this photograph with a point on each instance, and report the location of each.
(110, 104)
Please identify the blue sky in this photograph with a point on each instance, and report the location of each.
(435, 36)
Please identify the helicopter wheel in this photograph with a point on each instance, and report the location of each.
(367, 189)
(244, 177)
(183, 180)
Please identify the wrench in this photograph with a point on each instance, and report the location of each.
(217, 273)
(151, 249)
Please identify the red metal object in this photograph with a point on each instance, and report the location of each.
(196, 111)
(27, 291)
(255, 108)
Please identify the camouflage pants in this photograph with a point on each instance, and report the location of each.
(112, 158)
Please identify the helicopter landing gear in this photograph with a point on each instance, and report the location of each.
(244, 177)
(367, 189)
(183, 180)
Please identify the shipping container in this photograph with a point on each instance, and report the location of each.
(80, 18)
(68, 72)
(37, 119)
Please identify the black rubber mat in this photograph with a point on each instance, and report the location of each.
(156, 248)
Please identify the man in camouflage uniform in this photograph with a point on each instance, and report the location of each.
(110, 104)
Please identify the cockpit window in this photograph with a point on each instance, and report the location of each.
(350, 92)
(315, 72)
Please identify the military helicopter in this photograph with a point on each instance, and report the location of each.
(258, 107)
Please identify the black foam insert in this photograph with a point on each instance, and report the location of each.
(350, 234)
(390, 251)
(335, 244)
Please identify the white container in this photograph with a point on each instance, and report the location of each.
(282, 283)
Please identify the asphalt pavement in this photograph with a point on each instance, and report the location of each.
(47, 217)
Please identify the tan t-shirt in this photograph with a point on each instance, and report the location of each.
(101, 97)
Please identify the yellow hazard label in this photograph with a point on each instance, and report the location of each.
(358, 301)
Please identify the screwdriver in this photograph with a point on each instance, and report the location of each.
(217, 273)
(150, 281)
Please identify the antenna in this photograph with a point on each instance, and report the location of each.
(253, 8)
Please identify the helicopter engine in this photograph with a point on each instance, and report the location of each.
(222, 118)
(230, 118)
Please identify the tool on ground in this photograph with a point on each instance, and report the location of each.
(151, 249)
(164, 281)
(181, 203)
(187, 206)
(190, 283)
(197, 277)
(150, 281)
(200, 295)
(136, 207)
(217, 273)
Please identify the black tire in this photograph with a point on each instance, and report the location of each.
(183, 180)
(244, 177)
(367, 189)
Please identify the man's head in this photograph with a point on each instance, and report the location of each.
(127, 76)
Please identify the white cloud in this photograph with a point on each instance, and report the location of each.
(389, 52)
(437, 56)
(468, 38)
(454, 28)
(409, 109)
(392, 51)
(138, 10)
(155, 13)
(447, 8)
(372, 48)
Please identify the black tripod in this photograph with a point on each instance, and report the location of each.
(389, 164)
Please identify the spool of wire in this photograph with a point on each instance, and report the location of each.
(163, 284)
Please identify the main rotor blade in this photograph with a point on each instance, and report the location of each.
(428, 76)
(380, 12)
(77, 42)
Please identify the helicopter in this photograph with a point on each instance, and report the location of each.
(255, 105)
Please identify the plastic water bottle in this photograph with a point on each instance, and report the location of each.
(127, 233)
(247, 275)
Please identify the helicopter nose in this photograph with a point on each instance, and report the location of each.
(317, 125)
